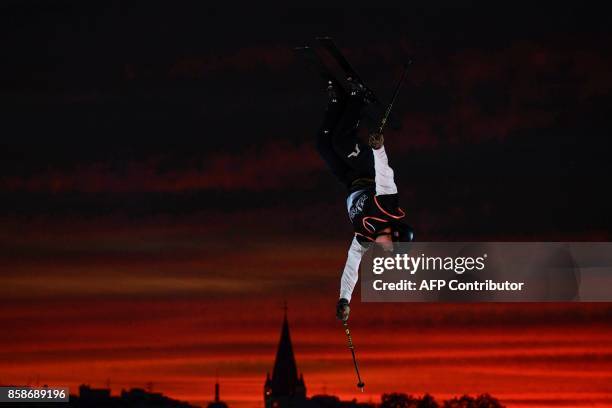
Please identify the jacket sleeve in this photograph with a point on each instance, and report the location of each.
(385, 183)
(350, 275)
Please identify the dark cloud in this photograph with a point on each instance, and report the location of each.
(252, 169)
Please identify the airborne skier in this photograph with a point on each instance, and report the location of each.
(372, 201)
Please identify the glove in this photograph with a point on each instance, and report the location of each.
(376, 140)
(343, 310)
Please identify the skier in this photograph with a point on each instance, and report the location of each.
(372, 201)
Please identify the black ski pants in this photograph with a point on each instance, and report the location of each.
(345, 154)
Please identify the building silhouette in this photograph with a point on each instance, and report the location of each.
(217, 403)
(285, 388)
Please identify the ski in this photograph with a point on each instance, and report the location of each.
(376, 109)
(343, 74)
(315, 62)
(351, 75)
(330, 46)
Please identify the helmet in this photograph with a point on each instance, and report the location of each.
(401, 232)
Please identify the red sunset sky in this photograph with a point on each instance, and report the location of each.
(161, 196)
(144, 312)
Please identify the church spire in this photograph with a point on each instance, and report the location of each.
(217, 386)
(285, 381)
(217, 403)
(284, 374)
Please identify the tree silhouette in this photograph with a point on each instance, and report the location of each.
(487, 401)
(401, 400)
(427, 402)
(397, 400)
(482, 401)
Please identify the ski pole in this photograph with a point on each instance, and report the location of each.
(360, 383)
(383, 123)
